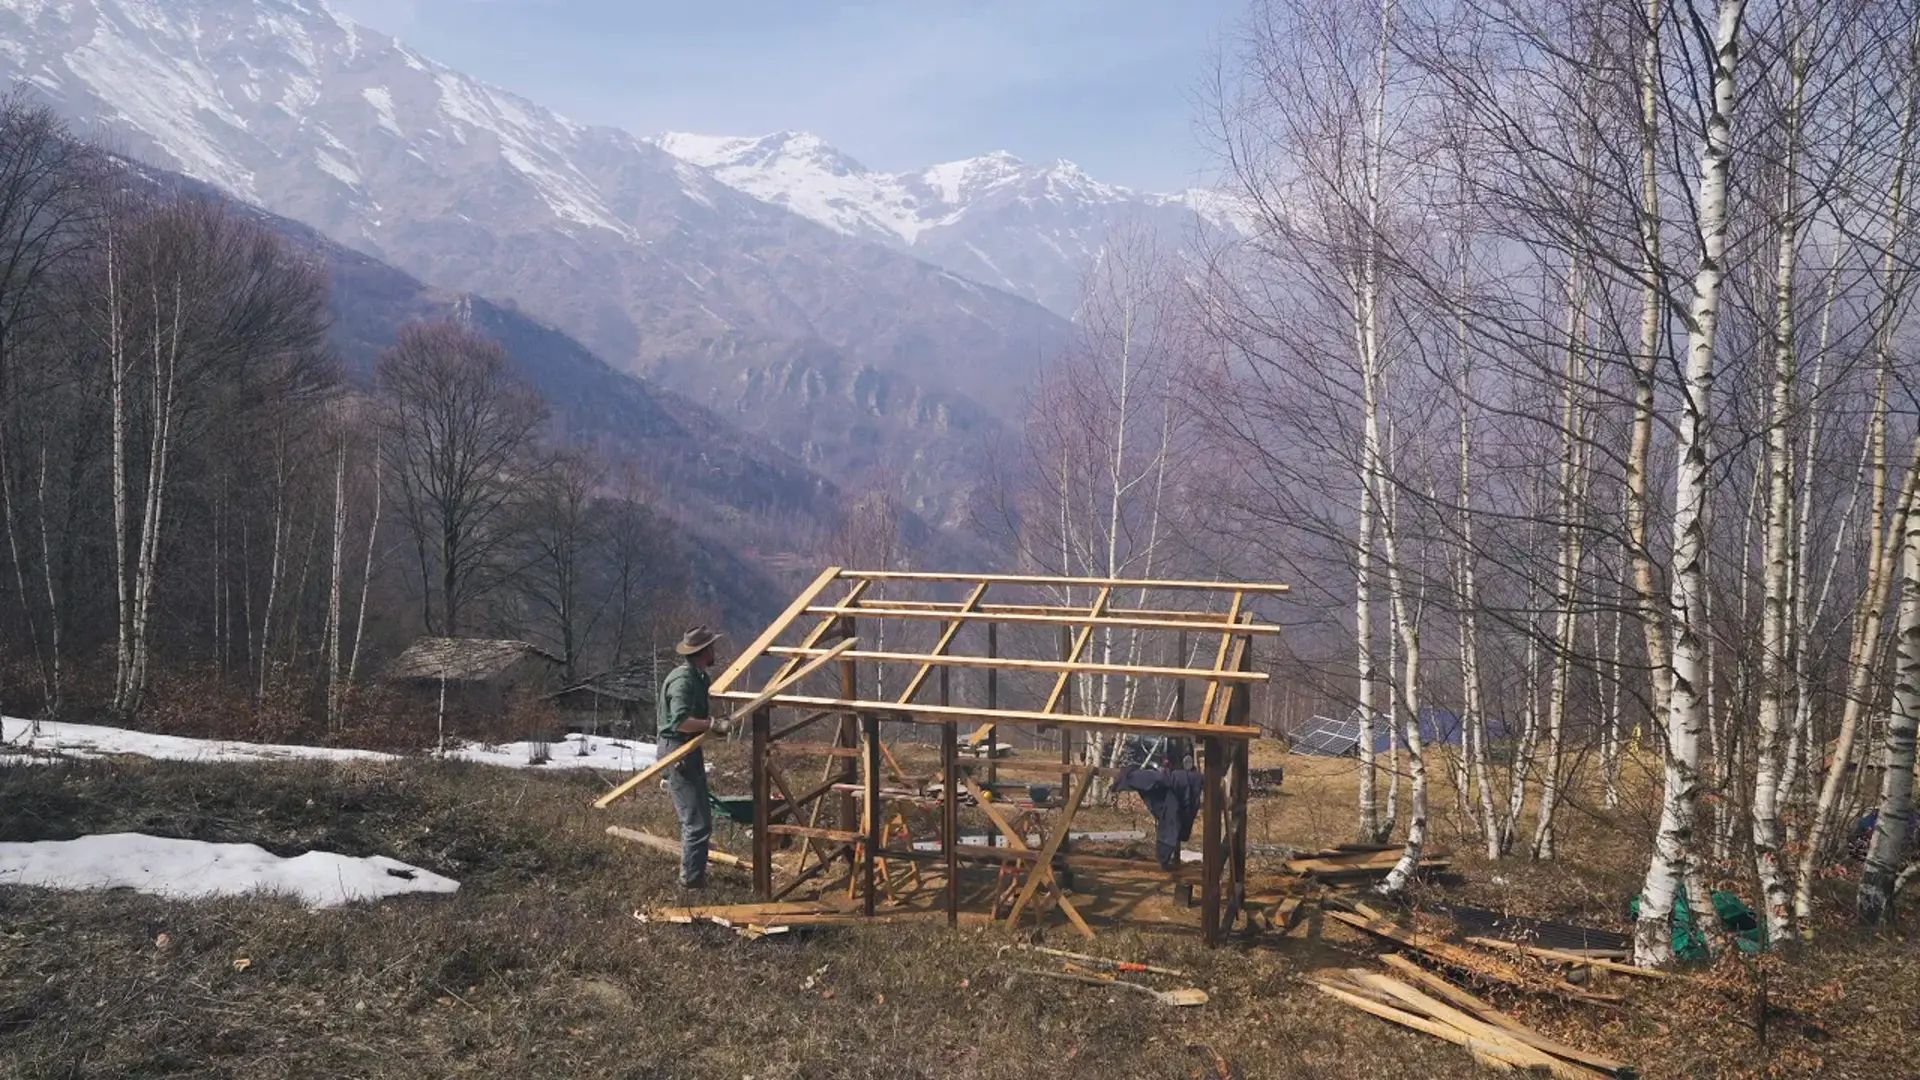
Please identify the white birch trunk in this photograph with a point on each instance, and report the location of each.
(366, 587)
(1473, 736)
(1640, 442)
(1673, 866)
(1777, 602)
(56, 687)
(1805, 613)
(166, 368)
(117, 383)
(274, 562)
(332, 642)
(1523, 751)
(1880, 552)
(1367, 329)
(1566, 583)
(1887, 853)
(1610, 736)
(1406, 623)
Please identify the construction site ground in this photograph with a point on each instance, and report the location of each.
(537, 967)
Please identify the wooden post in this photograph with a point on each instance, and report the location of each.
(993, 702)
(1237, 833)
(1210, 840)
(1179, 685)
(1067, 652)
(762, 806)
(870, 760)
(950, 815)
(1239, 707)
(848, 735)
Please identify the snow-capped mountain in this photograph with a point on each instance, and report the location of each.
(849, 353)
(1029, 229)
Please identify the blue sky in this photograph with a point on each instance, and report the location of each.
(1110, 85)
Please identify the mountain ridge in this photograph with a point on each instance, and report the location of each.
(1032, 229)
(649, 261)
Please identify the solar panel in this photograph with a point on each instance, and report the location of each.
(1326, 737)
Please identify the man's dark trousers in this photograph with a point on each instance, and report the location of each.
(687, 781)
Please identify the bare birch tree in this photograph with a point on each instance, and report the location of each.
(1674, 869)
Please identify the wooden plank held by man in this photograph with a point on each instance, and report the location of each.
(653, 771)
(685, 723)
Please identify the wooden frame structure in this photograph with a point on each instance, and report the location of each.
(867, 795)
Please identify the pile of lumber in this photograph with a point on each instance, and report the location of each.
(754, 921)
(1418, 999)
(1353, 863)
(1489, 967)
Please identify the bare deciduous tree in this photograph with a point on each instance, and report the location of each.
(456, 432)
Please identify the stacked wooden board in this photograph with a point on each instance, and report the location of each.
(1477, 963)
(754, 921)
(1416, 998)
(1351, 863)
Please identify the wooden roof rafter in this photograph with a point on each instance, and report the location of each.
(1050, 580)
(817, 609)
(1065, 616)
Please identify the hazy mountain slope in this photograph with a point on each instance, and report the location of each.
(848, 352)
(739, 504)
(1029, 229)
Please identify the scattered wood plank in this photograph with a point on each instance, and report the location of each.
(1425, 1002)
(1463, 998)
(755, 921)
(671, 847)
(680, 752)
(660, 765)
(1521, 1053)
(1562, 956)
(1484, 1053)
(1482, 965)
(1185, 996)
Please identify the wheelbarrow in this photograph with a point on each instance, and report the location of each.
(739, 808)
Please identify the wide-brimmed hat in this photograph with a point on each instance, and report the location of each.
(696, 639)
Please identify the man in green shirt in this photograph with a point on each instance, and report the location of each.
(684, 712)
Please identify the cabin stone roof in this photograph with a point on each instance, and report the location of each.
(464, 659)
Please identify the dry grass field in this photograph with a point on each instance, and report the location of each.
(536, 967)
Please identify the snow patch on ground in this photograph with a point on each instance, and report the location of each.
(94, 741)
(57, 740)
(198, 869)
(575, 752)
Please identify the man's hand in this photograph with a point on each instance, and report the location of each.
(720, 725)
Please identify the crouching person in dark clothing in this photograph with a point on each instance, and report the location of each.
(1162, 772)
(685, 712)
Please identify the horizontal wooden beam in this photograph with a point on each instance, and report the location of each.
(1041, 609)
(1041, 579)
(1062, 617)
(1006, 664)
(1144, 867)
(807, 749)
(1099, 865)
(842, 836)
(947, 714)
